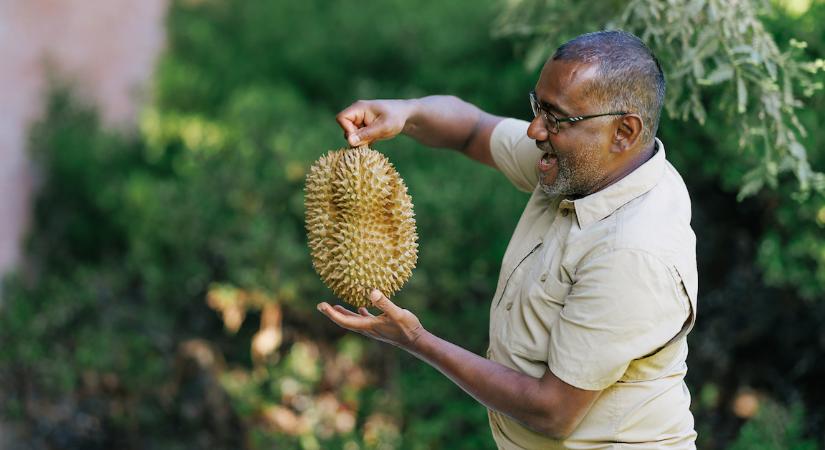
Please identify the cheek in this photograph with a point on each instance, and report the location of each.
(584, 158)
(568, 146)
(596, 137)
(588, 143)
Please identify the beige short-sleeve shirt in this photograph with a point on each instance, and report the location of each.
(602, 291)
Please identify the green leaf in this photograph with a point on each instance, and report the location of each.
(741, 94)
(698, 68)
(752, 182)
(798, 151)
(722, 73)
(771, 67)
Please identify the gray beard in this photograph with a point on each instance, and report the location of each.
(563, 185)
(567, 182)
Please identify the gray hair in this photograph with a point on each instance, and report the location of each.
(630, 77)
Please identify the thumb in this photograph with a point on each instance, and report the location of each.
(380, 301)
(366, 135)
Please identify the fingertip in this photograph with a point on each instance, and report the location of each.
(375, 295)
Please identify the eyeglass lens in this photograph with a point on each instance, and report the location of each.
(550, 121)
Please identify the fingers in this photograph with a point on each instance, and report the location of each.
(362, 311)
(348, 120)
(346, 318)
(368, 121)
(364, 135)
(380, 301)
(356, 121)
(345, 311)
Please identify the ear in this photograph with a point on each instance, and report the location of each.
(628, 133)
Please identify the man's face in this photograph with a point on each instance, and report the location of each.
(578, 158)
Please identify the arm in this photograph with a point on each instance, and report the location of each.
(435, 121)
(546, 405)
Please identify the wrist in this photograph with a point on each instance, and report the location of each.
(412, 108)
(421, 342)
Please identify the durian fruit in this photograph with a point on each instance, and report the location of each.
(360, 224)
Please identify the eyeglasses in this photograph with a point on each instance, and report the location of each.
(551, 122)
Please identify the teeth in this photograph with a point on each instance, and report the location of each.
(546, 161)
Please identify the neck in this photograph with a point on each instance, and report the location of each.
(635, 161)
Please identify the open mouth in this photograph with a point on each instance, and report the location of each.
(547, 161)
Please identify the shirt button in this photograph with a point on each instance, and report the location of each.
(509, 305)
(543, 277)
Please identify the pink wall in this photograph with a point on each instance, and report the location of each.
(107, 47)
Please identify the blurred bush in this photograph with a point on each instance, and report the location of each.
(774, 428)
(167, 300)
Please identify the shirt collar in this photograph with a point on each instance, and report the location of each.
(601, 204)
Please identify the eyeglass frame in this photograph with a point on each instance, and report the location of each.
(536, 106)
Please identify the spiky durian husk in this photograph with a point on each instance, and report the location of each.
(360, 224)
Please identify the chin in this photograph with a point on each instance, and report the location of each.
(548, 189)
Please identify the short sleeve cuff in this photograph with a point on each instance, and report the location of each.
(515, 154)
(578, 381)
(624, 306)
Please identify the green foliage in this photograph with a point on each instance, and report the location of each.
(158, 259)
(701, 44)
(774, 428)
(725, 70)
(133, 232)
(792, 251)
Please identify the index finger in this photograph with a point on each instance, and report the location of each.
(352, 118)
(346, 123)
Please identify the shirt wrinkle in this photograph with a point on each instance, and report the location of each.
(600, 290)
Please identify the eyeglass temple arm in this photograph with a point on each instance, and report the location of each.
(578, 118)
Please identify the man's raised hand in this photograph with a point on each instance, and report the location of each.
(366, 121)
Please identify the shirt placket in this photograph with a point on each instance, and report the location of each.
(533, 248)
(499, 313)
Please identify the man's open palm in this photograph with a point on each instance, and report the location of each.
(396, 326)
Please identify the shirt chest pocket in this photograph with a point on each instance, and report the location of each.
(533, 317)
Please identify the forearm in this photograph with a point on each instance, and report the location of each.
(492, 384)
(446, 121)
(546, 405)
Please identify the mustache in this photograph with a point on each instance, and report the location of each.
(545, 146)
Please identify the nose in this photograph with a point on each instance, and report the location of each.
(537, 130)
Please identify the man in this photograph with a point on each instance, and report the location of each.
(597, 289)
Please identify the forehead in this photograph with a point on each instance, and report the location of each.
(562, 84)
